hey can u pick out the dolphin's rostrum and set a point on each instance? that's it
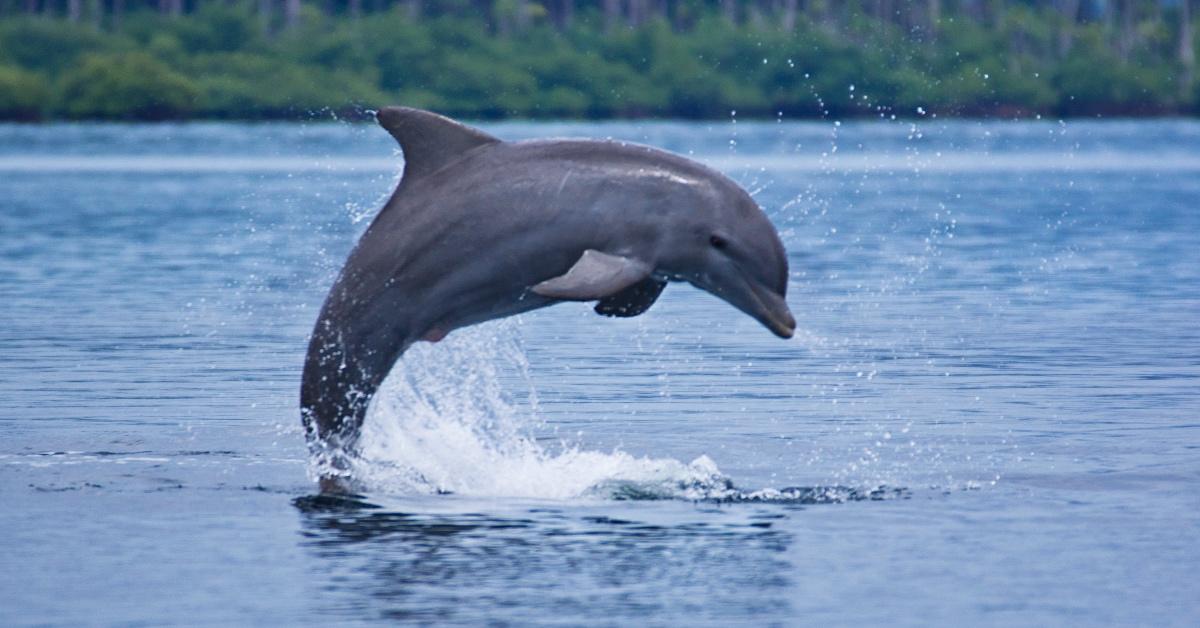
(481, 229)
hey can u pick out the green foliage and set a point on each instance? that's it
(250, 85)
(125, 85)
(215, 27)
(226, 61)
(51, 47)
(1093, 80)
(23, 94)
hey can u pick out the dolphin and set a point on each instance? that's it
(480, 228)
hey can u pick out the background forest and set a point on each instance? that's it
(256, 59)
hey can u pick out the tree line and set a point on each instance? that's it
(266, 59)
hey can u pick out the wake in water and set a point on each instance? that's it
(444, 422)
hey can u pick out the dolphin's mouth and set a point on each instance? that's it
(772, 311)
(755, 299)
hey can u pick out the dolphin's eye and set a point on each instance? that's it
(717, 241)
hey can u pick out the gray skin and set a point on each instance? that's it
(481, 229)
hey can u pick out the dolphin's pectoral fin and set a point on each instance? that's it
(633, 300)
(595, 276)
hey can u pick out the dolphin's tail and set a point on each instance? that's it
(342, 372)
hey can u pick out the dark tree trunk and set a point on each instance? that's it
(877, 9)
(1187, 50)
(790, 9)
(817, 11)
(662, 9)
(1125, 36)
(565, 14)
(612, 14)
(679, 17)
(755, 17)
(266, 14)
(524, 15)
(170, 7)
(996, 11)
(1070, 13)
(638, 11)
(291, 13)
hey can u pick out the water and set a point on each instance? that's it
(990, 414)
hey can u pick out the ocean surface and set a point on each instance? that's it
(990, 414)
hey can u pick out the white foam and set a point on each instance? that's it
(444, 421)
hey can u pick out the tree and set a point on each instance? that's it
(612, 14)
(790, 8)
(132, 85)
(1070, 15)
(563, 13)
(730, 9)
(1187, 50)
(291, 13)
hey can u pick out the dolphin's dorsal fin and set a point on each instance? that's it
(596, 275)
(429, 141)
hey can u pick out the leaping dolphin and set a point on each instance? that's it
(480, 229)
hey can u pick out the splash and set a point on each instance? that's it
(447, 421)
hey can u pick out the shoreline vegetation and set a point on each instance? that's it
(596, 59)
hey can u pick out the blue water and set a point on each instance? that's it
(990, 414)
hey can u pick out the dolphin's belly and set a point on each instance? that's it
(467, 295)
